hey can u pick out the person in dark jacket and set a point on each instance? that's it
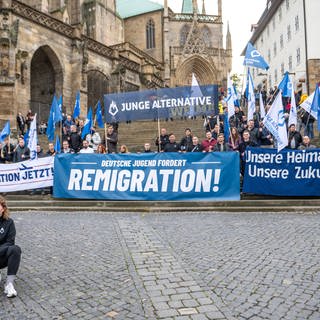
(186, 141)
(172, 146)
(196, 146)
(75, 140)
(21, 123)
(21, 152)
(111, 140)
(246, 142)
(10, 254)
(294, 138)
(221, 145)
(7, 151)
(162, 140)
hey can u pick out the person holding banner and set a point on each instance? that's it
(10, 254)
(294, 138)
(162, 140)
(172, 146)
(111, 140)
(306, 144)
(196, 146)
(186, 141)
(21, 151)
(74, 139)
(246, 142)
(221, 146)
(208, 143)
(234, 139)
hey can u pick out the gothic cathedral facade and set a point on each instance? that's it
(60, 47)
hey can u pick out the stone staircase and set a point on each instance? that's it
(249, 203)
(135, 134)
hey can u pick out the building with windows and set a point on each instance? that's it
(286, 36)
(187, 42)
(59, 47)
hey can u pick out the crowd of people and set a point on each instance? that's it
(242, 132)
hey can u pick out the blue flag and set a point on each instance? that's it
(57, 115)
(26, 137)
(285, 86)
(76, 110)
(87, 125)
(253, 58)
(57, 146)
(54, 117)
(5, 131)
(99, 117)
(315, 105)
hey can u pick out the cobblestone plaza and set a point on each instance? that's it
(86, 265)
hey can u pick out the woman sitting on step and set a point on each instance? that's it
(10, 254)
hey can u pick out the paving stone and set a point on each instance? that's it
(235, 266)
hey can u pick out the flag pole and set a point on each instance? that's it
(159, 141)
(243, 80)
(105, 134)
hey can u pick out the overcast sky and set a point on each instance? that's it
(240, 14)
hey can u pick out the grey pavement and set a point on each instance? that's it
(87, 265)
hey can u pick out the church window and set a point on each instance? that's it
(184, 35)
(206, 36)
(150, 34)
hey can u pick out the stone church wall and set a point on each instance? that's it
(135, 32)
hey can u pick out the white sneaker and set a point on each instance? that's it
(10, 291)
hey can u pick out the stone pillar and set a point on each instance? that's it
(166, 44)
(79, 64)
(8, 41)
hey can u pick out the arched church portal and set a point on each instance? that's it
(204, 71)
(46, 80)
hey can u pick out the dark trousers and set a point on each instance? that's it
(11, 260)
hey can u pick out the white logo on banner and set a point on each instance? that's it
(113, 109)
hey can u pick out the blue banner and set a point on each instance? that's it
(161, 103)
(156, 177)
(287, 173)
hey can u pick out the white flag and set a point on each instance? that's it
(195, 92)
(307, 105)
(33, 138)
(262, 110)
(293, 110)
(230, 98)
(275, 122)
(251, 98)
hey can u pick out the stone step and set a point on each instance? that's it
(46, 203)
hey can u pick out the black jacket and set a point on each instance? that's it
(7, 235)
